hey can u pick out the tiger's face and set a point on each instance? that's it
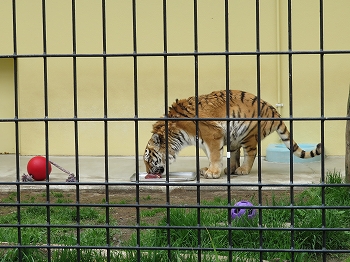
(155, 155)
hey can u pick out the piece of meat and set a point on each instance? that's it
(152, 176)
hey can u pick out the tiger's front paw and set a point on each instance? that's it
(242, 171)
(202, 171)
(209, 173)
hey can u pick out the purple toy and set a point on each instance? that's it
(237, 212)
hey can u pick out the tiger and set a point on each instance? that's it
(212, 134)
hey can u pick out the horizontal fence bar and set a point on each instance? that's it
(169, 183)
(178, 248)
(168, 54)
(165, 183)
(204, 228)
(325, 207)
(128, 119)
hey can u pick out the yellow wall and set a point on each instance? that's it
(7, 109)
(180, 28)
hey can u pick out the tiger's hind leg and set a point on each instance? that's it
(234, 160)
(250, 151)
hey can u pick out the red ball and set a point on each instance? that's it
(36, 167)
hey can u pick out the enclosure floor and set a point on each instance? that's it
(120, 169)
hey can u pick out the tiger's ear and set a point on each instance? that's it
(156, 140)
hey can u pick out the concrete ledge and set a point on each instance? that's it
(92, 175)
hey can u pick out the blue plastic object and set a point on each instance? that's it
(279, 153)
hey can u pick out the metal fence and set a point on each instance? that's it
(201, 251)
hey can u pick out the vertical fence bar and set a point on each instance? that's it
(76, 126)
(228, 126)
(323, 192)
(196, 95)
(291, 169)
(16, 117)
(137, 186)
(75, 93)
(165, 83)
(105, 122)
(258, 84)
(46, 115)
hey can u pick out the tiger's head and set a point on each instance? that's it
(155, 156)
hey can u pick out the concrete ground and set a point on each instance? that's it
(120, 170)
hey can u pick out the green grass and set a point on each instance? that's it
(213, 233)
(245, 234)
(61, 236)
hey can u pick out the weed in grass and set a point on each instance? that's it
(164, 256)
(334, 177)
(339, 195)
(88, 214)
(153, 212)
(10, 199)
(85, 255)
(63, 213)
(33, 215)
(10, 218)
(57, 194)
(64, 201)
(148, 197)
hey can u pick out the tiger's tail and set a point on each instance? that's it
(284, 134)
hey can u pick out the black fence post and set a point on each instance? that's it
(347, 137)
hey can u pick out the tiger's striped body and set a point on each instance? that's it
(213, 133)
